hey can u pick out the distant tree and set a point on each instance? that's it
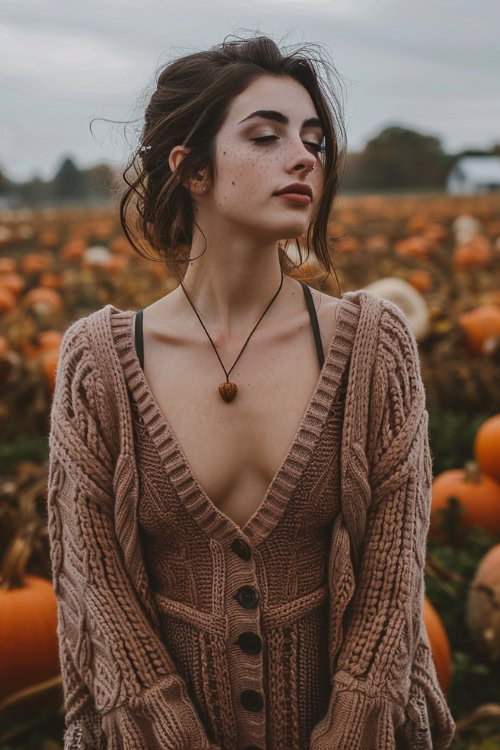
(403, 158)
(99, 181)
(353, 177)
(6, 185)
(34, 192)
(69, 182)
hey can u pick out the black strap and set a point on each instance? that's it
(139, 342)
(314, 323)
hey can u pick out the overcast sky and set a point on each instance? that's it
(432, 65)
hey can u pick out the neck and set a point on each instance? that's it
(231, 295)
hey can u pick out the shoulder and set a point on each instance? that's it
(78, 384)
(397, 351)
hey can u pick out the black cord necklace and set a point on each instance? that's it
(228, 390)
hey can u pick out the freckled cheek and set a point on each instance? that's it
(248, 176)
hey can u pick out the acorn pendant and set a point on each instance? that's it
(228, 391)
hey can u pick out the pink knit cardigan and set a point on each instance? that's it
(122, 688)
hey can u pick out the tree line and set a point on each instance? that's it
(395, 159)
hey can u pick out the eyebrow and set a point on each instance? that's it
(272, 114)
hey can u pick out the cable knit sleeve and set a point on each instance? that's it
(385, 693)
(121, 687)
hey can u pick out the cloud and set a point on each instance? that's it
(433, 66)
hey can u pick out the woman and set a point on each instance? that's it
(208, 533)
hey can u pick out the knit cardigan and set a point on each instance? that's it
(122, 687)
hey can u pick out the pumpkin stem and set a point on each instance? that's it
(472, 472)
(13, 567)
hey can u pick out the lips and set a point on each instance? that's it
(296, 187)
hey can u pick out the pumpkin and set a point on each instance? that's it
(348, 244)
(96, 256)
(8, 300)
(35, 262)
(42, 300)
(439, 643)
(73, 249)
(487, 447)
(44, 342)
(28, 623)
(7, 265)
(475, 252)
(51, 280)
(413, 247)
(483, 605)
(434, 232)
(482, 328)
(420, 280)
(477, 493)
(48, 238)
(12, 281)
(116, 263)
(407, 299)
(377, 243)
(49, 360)
(121, 245)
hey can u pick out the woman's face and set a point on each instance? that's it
(248, 172)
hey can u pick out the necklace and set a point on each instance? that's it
(228, 390)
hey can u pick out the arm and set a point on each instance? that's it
(121, 687)
(385, 693)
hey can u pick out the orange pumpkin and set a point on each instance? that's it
(7, 265)
(475, 252)
(13, 281)
(49, 361)
(487, 447)
(348, 244)
(413, 247)
(73, 249)
(420, 280)
(43, 299)
(482, 328)
(440, 645)
(35, 262)
(377, 242)
(8, 300)
(477, 493)
(28, 623)
(41, 343)
(51, 280)
(482, 615)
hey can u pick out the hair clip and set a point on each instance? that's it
(145, 148)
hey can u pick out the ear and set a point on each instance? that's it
(195, 184)
(176, 155)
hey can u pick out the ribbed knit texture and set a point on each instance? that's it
(145, 567)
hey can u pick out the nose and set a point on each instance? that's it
(303, 159)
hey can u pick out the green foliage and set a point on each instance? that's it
(24, 448)
(451, 437)
(475, 678)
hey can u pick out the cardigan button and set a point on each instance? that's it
(242, 549)
(247, 596)
(251, 700)
(250, 642)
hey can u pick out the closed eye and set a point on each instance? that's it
(266, 138)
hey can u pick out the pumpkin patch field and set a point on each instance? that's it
(436, 256)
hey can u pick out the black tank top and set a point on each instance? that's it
(139, 342)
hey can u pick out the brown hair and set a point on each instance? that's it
(192, 97)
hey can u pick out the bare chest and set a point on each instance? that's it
(234, 450)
